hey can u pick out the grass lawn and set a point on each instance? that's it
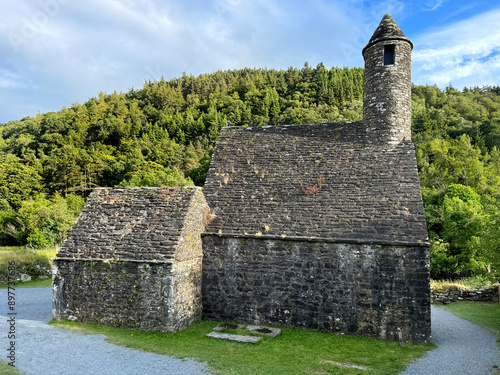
(294, 352)
(484, 314)
(42, 283)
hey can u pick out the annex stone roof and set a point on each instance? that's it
(132, 224)
(321, 181)
(387, 30)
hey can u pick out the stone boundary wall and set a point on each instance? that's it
(371, 290)
(454, 294)
(25, 272)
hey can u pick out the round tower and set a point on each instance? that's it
(387, 84)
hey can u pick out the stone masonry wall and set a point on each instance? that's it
(115, 293)
(452, 294)
(186, 293)
(360, 289)
(149, 296)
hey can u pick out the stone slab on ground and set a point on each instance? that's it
(231, 337)
(268, 331)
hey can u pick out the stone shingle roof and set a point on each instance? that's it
(130, 224)
(322, 181)
(387, 30)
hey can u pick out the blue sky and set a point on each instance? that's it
(57, 52)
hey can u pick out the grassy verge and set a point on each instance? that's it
(6, 249)
(484, 314)
(294, 352)
(25, 255)
(42, 283)
(5, 369)
(477, 282)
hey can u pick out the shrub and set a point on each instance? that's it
(40, 222)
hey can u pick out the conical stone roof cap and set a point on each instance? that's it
(387, 30)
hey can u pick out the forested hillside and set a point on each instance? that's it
(164, 133)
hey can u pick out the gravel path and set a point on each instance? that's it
(463, 348)
(42, 349)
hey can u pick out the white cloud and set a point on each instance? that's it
(464, 53)
(432, 5)
(468, 74)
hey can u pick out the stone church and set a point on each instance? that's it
(316, 226)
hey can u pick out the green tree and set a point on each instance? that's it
(18, 181)
(155, 175)
(460, 252)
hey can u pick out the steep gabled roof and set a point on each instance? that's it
(130, 224)
(322, 181)
(387, 30)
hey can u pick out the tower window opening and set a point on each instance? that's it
(389, 55)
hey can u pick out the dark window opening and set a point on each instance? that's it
(389, 55)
